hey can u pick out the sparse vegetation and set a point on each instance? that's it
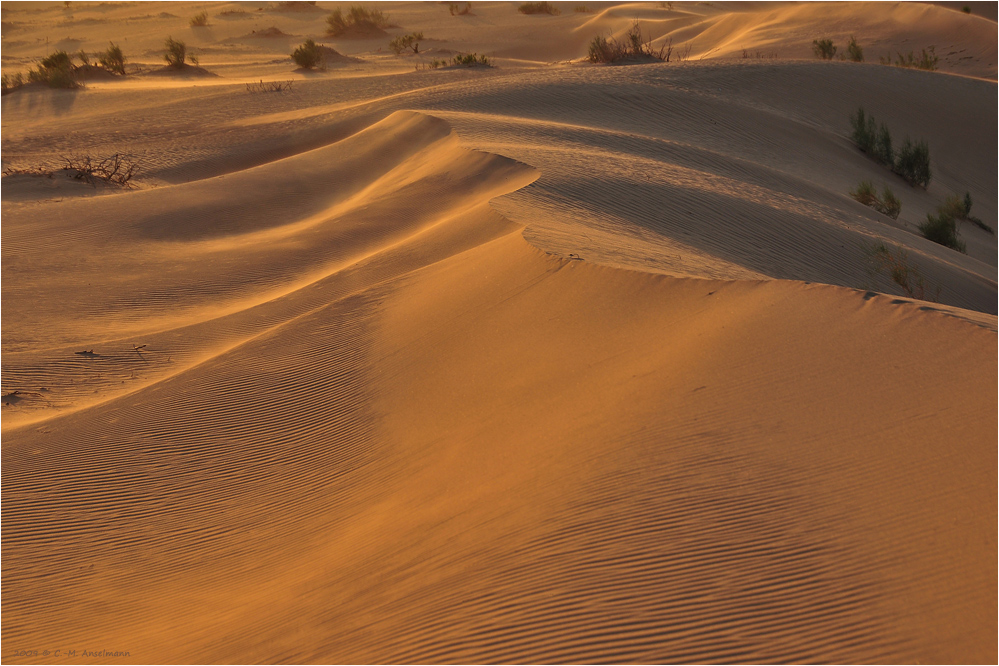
(403, 42)
(824, 48)
(199, 20)
(635, 47)
(582, 9)
(894, 263)
(911, 162)
(357, 19)
(268, 86)
(176, 53)
(887, 204)
(854, 51)
(966, 206)
(760, 55)
(308, 55)
(539, 8)
(457, 10)
(927, 60)
(57, 70)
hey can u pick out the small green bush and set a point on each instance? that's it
(113, 59)
(176, 53)
(913, 163)
(824, 48)
(199, 20)
(308, 55)
(854, 51)
(55, 71)
(942, 229)
(357, 18)
(403, 42)
(539, 8)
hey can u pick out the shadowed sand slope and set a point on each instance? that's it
(438, 443)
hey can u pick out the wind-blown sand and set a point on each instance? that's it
(546, 362)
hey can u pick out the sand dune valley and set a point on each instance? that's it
(492, 351)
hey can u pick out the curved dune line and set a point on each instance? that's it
(462, 448)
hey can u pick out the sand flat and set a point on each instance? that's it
(543, 362)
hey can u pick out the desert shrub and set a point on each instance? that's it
(55, 71)
(865, 193)
(8, 83)
(942, 229)
(58, 60)
(913, 163)
(824, 48)
(308, 55)
(887, 204)
(582, 9)
(960, 208)
(117, 169)
(112, 59)
(84, 58)
(926, 60)
(403, 42)
(199, 20)
(457, 10)
(966, 9)
(882, 150)
(176, 53)
(890, 205)
(357, 18)
(895, 264)
(470, 60)
(539, 8)
(634, 46)
(864, 131)
(854, 51)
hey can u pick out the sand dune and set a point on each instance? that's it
(539, 363)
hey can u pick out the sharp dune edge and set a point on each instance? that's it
(536, 364)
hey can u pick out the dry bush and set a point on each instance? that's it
(634, 47)
(894, 263)
(269, 86)
(457, 10)
(117, 169)
(759, 55)
(176, 53)
(403, 42)
(199, 20)
(357, 19)
(887, 204)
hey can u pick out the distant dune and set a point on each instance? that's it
(539, 362)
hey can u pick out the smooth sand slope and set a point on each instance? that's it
(532, 364)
